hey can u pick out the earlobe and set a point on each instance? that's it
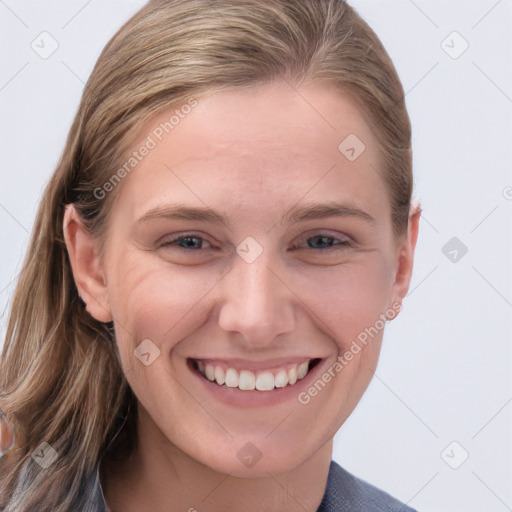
(405, 256)
(86, 266)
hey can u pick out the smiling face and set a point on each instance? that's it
(245, 249)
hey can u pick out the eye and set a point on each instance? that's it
(325, 242)
(186, 242)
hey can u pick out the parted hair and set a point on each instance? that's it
(61, 380)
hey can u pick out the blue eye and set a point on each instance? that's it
(187, 242)
(329, 240)
(324, 242)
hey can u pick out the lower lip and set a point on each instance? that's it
(255, 398)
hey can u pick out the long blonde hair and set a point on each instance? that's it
(61, 382)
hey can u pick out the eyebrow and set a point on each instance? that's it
(303, 213)
(183, 212)
(322, 210)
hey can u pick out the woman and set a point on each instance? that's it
(203, 302)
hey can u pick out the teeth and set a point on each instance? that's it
(302, 370)
(292, 375)
(281, 379)
(265, 381)
(231, 378)
(210, 372)
(219, 375)
(247, 380)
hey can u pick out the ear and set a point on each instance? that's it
(405, 256)
(86, 265)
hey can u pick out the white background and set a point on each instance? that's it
(444, 373)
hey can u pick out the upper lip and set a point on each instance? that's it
(245, 364)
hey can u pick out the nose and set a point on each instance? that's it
(257, 304)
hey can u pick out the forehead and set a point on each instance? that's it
(308, 121)
(273, 144)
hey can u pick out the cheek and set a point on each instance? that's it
(149, 301)
(160, 306)
(354, 303)
(347, 299)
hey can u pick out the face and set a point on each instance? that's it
(247, 250)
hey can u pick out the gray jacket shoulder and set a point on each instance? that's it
(347, 493)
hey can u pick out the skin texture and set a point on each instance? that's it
(251, 156)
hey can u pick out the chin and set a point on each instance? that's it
(251, 462)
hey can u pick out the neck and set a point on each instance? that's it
(160, 477)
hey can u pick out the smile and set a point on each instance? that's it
(244, 379)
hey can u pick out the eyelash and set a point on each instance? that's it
(343, 243)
